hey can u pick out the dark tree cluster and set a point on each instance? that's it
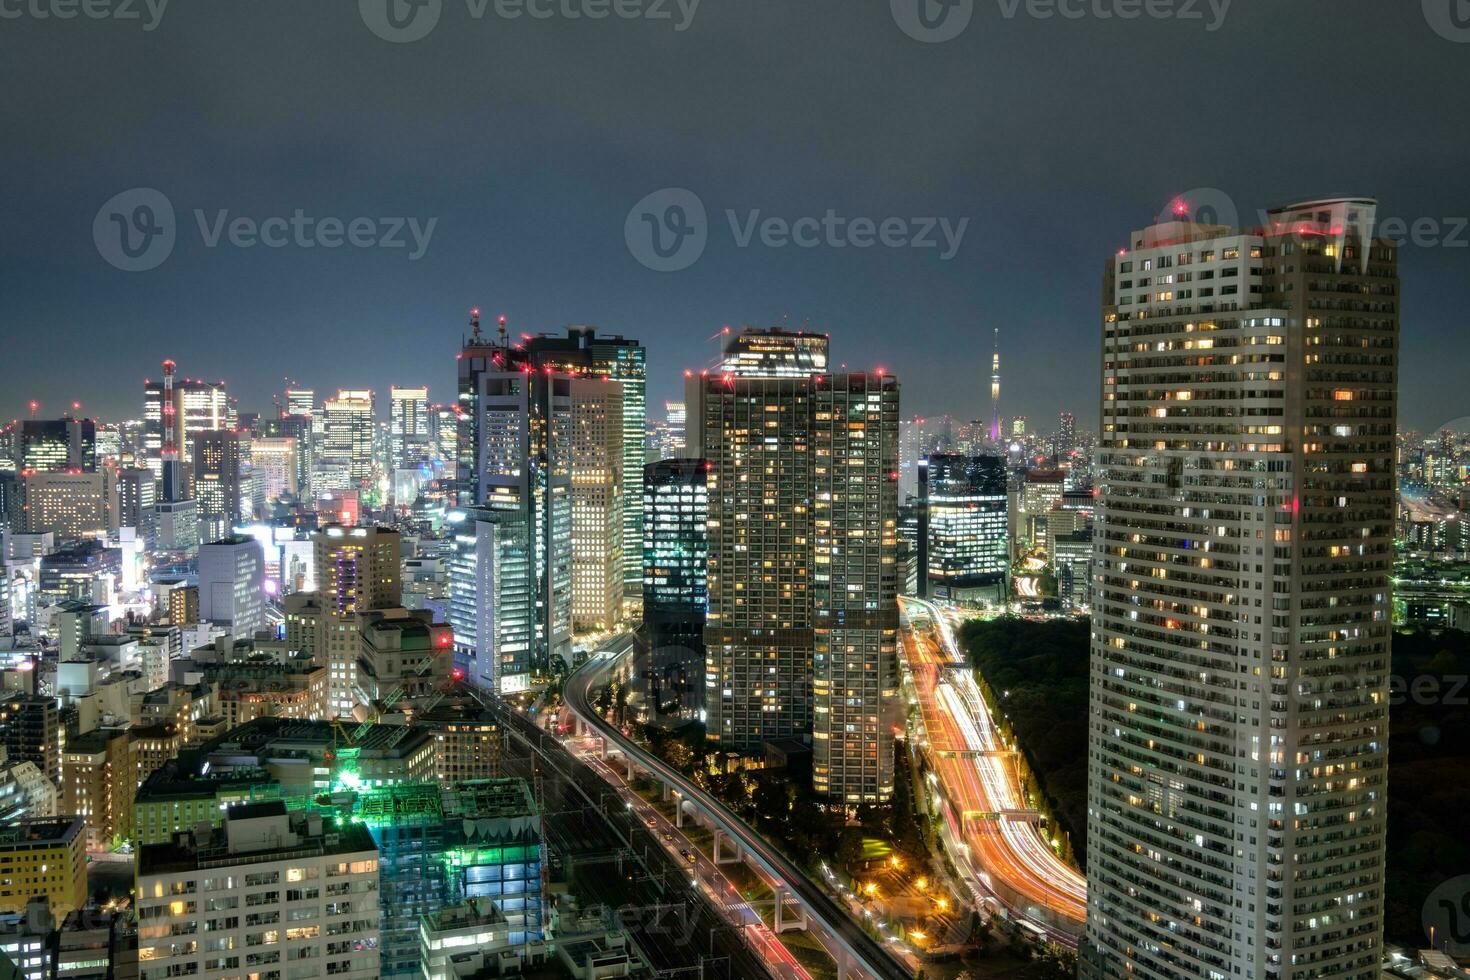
(1038, 674)
(1428, 773)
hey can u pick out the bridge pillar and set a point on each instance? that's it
(788, 920)
(678, 810)
(720, 843)
(668, 791)
(632, 769)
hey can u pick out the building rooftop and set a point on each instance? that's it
(468, 915)
(92, 742)
(279, 734)
(489, 799)
(189, 852)
(29, 834)
(251, 811)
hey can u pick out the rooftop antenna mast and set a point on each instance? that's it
(475, 337)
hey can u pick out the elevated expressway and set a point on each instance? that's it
(857, 953)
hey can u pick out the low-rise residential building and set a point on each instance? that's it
(267, 893)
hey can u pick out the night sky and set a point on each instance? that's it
(530, 141)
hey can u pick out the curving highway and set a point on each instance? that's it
(987, 812)
(865, 952)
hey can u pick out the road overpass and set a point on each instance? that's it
(863, 955)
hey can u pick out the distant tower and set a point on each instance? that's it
(173, 490)
(995, 390)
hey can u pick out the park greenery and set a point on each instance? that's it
(1036, 674)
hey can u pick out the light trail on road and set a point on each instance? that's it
(973, 766)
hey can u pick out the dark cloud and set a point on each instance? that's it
(530, 140)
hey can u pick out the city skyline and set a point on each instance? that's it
(1038, 217)
(904, 490)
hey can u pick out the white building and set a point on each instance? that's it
(1241, 601)
(178, 525)
(274, 460)
(265, 894)
(492, 596)
(232, 585)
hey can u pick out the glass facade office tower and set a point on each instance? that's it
(1241, 600)
(585, 353)
(410, 433)
(514, 448)
(675, 583)
(492, 596)
(47, 445)
(964, 526)
(216, 480)
(348, 429)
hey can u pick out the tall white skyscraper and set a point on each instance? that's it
(514, 454)
(492, 596)
(1241, 600)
